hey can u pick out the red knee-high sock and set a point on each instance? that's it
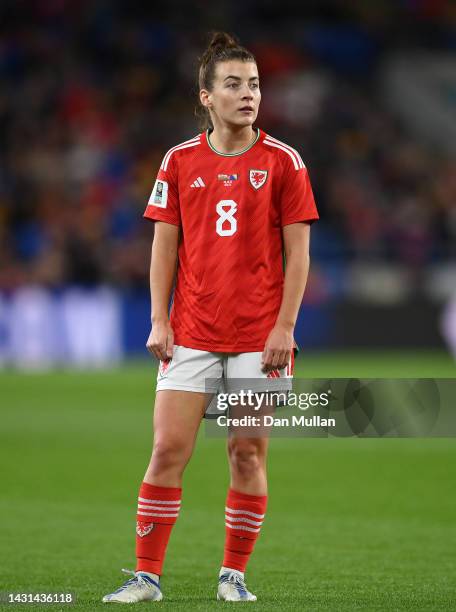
(244, 516)
(158, 509)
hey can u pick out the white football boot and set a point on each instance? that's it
(139, 588)
(232, 587)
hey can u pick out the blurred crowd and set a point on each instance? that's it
(91, 97)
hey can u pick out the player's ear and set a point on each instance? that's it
(205, 98)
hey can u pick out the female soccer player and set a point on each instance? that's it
(226, 205)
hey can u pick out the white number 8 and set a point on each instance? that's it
(226, 216)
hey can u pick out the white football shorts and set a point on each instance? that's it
(206, 372)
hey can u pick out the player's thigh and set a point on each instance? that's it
(185, 385)
(177, 417)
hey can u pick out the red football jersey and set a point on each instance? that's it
(231, 209)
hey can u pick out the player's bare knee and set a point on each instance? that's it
(168, 454)
(245, 459)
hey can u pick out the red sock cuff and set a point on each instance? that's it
(165, 493)
(237, 495)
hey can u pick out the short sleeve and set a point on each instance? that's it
(297, 200)
(163, 203)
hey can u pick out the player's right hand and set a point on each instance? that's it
(161, 340)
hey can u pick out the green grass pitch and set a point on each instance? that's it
(352, 524)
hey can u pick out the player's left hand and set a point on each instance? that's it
(277, 350)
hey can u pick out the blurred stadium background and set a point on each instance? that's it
(92, 94)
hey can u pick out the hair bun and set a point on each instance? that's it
(222, 40)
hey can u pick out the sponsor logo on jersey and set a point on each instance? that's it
(258, 178)
(228, 179)
(198, 183)
(143, 529)
(159, 195)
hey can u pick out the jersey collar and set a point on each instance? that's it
(233, 154)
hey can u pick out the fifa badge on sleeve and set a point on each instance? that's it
(159, 195)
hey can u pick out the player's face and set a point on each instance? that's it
(235, 96)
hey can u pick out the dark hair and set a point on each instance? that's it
(221, 48)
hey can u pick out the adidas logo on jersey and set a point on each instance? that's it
(198, 183)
